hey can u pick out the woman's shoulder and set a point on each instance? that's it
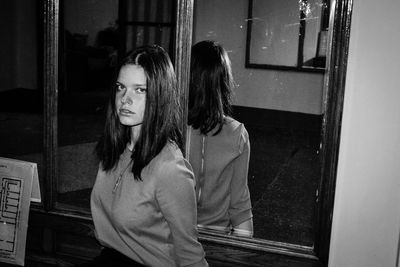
(232, 123)
(233, 127)
(237, 132)
(171, 152)
(171, 163)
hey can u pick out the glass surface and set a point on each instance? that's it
(141, 35)
(150, 10)
(282, 112)
(286, 33)
(312, 12)
(21, 92)
(275, 32)
(94, 35)
(89, 49)
(148, 22)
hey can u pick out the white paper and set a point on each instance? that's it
(19, 185)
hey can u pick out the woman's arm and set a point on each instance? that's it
(240, 206)
(176, 197)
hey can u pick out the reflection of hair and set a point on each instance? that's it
(162, 115)
(211, 84)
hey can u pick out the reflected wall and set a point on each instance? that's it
(226, 21)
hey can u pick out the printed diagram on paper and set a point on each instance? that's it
(10, 203)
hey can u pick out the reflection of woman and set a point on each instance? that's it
(219, 145)
(143, 202)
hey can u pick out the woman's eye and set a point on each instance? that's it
(141, 90)
(119, 87)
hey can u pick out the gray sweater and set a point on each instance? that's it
(151, 221)
(220, 165)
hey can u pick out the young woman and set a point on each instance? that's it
(143, 202)
(219, 146)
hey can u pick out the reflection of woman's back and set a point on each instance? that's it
(219, 145)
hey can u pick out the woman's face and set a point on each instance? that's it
(130, 99)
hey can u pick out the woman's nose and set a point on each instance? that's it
(126, 99)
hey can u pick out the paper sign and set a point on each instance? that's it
(19, 185)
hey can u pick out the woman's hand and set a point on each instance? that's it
(245, 229)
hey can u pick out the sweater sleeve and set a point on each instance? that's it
(240, 205)
(176, 197)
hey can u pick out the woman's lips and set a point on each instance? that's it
(123, 111)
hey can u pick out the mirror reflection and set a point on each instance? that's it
(89, 49)
(219, 146)
(281, 110)
(94, 35)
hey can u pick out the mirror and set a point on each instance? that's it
(88, 49)
(94, 34)
(282, 110)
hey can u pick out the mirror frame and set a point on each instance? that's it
(334, 84)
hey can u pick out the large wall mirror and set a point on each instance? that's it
(288, 111)
(282, 111)
(292, 116)
(93, 35)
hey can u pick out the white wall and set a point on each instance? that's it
(366, 216)
(225, 21)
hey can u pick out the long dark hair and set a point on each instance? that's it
(162, 115)
(211, 85)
